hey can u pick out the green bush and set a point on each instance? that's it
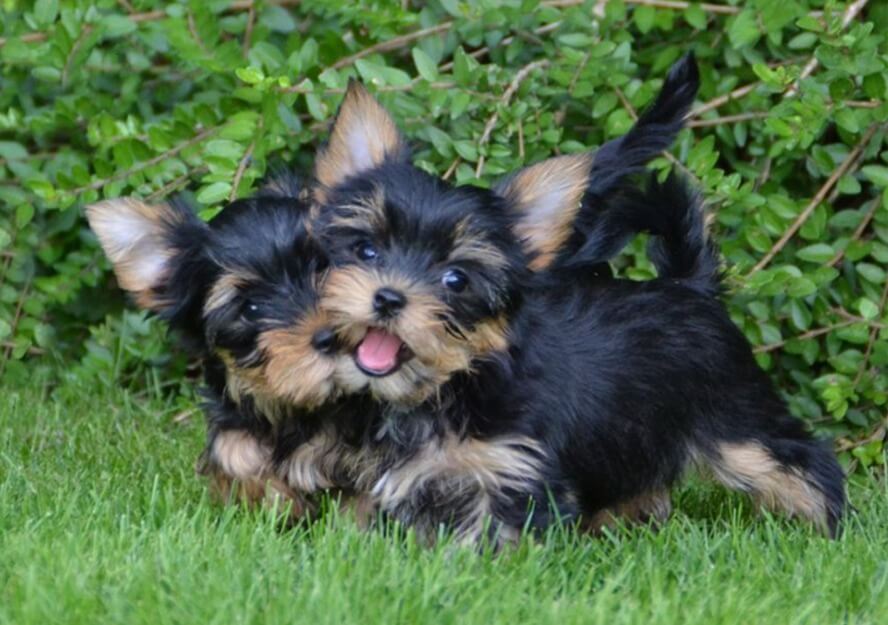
(110, 98)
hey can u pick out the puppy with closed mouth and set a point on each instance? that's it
(503, 394)
(242, 294)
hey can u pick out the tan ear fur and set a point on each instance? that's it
(546, 198)
(362, 137)
(135, 237)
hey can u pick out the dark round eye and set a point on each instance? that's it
(250, 311)
(366, 251)
(455, 280)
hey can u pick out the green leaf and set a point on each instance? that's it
(5, 239)
(424, 64)
(872, 273)
(847, 119)
(801, 287)
(213, 193)
(867, 308)
(12, 150)
(801, 314)
(817, 253)
(5, 329)
(877, 174)
(467, 150)
(644, 17)
(45, 11)
(250, 75)
(114, 26)
(278, 19)
(695, 16)
(743, 29)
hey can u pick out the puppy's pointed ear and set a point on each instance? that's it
(545, 199)
(363, 136)
(141, 240)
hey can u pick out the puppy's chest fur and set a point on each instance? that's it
(406, 461)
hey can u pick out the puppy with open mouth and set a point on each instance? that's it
(504, 392)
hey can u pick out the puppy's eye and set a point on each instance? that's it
(250, 312)
(455, 280)
(366, 251)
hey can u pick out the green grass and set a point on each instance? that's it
(103, 521)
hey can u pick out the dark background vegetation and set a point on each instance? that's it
(137, 97)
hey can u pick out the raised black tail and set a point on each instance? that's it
(673, 213)
(654, 131)
(600, 231)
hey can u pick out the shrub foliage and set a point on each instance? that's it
(106, 98)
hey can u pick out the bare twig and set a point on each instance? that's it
(248, 31)
(848, 444)
(520, 76)
(15, 321)
(148, 16)
(858, 232)
(721, 100)
(393, 44)
(98, 184)
(815, 201)
(241, 168)
(660, 4)
(726, 119)
(810, 334)
(175, 183)
(74, 48)
(452, 168)
(874, 332)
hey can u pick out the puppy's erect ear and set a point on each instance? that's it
(140, 240)
(545, 199)
(363, 136)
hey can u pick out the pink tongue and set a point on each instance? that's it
(378, 352)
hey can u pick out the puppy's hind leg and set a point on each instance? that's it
(795, 475)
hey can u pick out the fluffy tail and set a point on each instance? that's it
(654, 131)
(674, 214)
(599, 232)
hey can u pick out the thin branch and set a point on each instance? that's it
(148, 16)
(241, 168)
(393, 44)
(874, 332)
(452, 168)
(248, 32)
(715, 103)
(15, 320)
(98, 184)
(33, 350)
(858, 232)
(810, 334)
(815, 201)
(727, 119)
(519, 77)
(847, 444)
(660, 4)
(175, 183)
(74, 48)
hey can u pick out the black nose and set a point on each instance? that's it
(324, 341)
(388, 302)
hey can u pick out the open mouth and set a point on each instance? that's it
(381, 353)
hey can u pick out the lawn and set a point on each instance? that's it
(102, 520)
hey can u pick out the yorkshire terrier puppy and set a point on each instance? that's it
(500, 394)
(241, 291)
